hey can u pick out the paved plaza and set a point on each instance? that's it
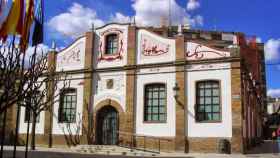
(267, 150)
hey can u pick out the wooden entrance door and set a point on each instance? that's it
(107, 126)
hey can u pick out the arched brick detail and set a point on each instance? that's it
(114, 104)
(107, 102)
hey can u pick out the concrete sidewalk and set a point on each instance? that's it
(42, 152)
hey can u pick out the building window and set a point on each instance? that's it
(67, 107)
(208, 106)
(155, 103)
(111, 44)
(29, 116)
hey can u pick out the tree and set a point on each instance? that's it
(14, 79)
(37, 98)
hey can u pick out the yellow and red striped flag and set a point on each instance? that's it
(28, 20)
(14, 22)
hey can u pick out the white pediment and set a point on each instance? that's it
(153, 48)
(72, 58)
(196, 51)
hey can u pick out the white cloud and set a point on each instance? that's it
(197, 20)
(273, 92)
(41, 48)
(272, 49)
(259, 40)
(77, 20)
(150, 13)
(120, 18)
(192, 5)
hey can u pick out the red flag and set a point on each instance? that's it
(28, 20)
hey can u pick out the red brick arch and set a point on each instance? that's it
(108, 102)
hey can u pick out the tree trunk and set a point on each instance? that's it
(33, 131)
(16, 132)
(3, 132)
(27, 137)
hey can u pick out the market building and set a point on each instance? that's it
(171, 88)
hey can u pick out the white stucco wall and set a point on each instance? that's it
(154, 42)
(156, 129)
(197, 51)
(72, 57)
(206, 72)
(118, 91)
(77, 83)
(39, 125)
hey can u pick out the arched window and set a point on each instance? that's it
(111, 44)
(208, 105)
(155, 103)
(67, 106)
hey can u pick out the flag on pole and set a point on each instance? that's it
(28, 20)
(38, 34)
(3, 4)
(14, 22)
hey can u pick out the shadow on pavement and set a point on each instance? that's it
(44, 154)
(268, 147)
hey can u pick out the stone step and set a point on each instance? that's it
(128, 153)
(111, 150)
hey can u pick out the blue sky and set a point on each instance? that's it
(67, 19)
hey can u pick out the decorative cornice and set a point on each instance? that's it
(114, 23)
(143, 66)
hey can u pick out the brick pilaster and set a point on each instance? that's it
(237, 140)
(130, 84)
(50, 95)
(180, 139)
(87, 130)
(131, 46)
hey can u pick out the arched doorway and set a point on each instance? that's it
(107, 126)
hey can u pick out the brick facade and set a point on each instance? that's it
(204, 145)
(87, 130)
(130, 85)
(49, 113)
(239, 142)
(180, 99)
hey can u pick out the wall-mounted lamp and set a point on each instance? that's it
(176, 89)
